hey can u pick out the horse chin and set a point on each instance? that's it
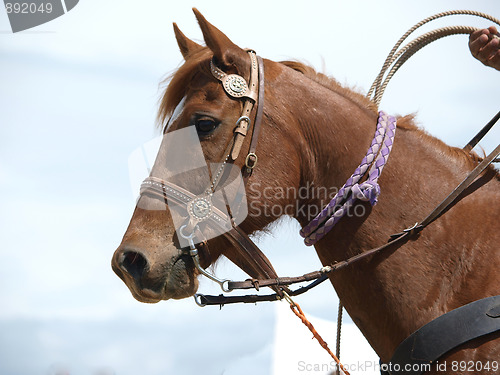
(179, 292)
(182, 281)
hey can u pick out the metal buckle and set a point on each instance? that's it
(246, 118)
(197, 299)
(289, 299)
(412, 229)
(250, 164)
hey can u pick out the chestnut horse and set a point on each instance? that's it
(313, 135)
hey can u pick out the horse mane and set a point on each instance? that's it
(471, 159)
(177, 83)
(332, 84)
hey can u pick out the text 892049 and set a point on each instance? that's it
(28, 8)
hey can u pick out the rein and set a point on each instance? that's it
(322, 274)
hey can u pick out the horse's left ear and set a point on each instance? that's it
(226, 52)
(186, 45)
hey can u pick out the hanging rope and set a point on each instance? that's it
(398, 56)
(339, 331)
(298, 311)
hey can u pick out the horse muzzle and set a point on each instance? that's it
(151, 280)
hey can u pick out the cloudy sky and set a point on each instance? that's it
(79, 94)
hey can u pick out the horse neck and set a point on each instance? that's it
(335, 134)
(332, 132)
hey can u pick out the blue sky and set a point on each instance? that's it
(79, 94)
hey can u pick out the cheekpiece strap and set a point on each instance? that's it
(237, 87)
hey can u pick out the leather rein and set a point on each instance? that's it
(252, 260)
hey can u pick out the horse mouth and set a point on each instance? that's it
(178, 281)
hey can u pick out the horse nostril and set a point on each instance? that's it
(134, 263)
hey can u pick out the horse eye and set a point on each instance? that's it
(205, 125)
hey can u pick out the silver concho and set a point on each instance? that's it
(235, 85)
(200, 208)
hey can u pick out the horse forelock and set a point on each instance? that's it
(177, 84)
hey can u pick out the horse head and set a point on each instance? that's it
(152, 258)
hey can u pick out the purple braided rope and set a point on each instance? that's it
(344, 190)
(366, 191)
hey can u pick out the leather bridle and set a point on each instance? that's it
(199, 208)
(252, 260)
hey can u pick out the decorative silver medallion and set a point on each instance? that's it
(200, 208)
(235, 85)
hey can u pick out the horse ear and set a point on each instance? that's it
(186, 45)
(225, 51)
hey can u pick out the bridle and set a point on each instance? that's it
(252, 260)
(200, 208)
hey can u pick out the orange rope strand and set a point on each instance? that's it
(298, 311)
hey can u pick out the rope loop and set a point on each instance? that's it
(398, 55)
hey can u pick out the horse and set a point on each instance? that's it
(314, 131)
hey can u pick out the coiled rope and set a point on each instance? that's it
(398, 56)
